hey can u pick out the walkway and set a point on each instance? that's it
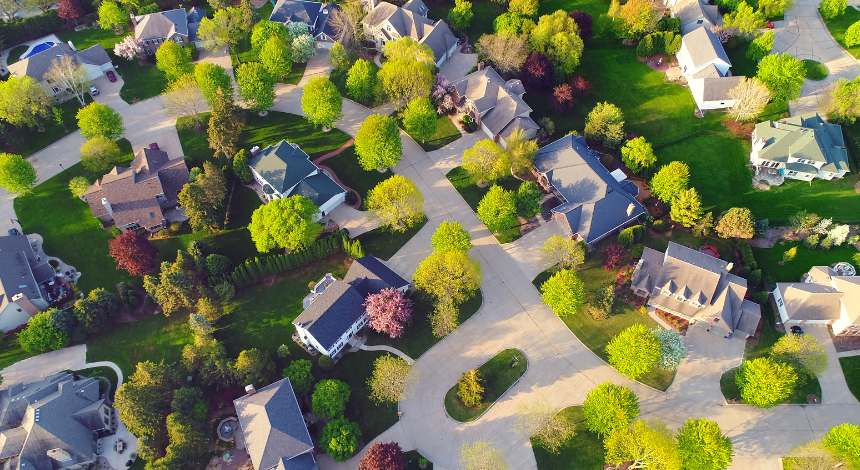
(38, 367)
(382, 347)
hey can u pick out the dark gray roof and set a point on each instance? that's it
(595, 203)
(499, 102)
(20, 273)
(717, 88)
(275, 432)
(294, 11)
(324, 26)
(37, 65)
(95, 55)
(162, 24)
(370, 276)
(332, 313)
(440, 39)
(319, 188)
(704, 46)
(282, 165)
(408, 22)
(416, 6)
(195, 14)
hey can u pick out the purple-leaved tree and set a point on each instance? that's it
(389, 312)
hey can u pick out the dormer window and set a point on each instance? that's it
(693, 303)
(680, 298)
(666, 293)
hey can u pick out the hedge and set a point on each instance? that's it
(33, 27)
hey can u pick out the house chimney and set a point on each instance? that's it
(133, 19)
(107, 205)
(730, 266)
(250, 390)
(480, 66)
(630, 209)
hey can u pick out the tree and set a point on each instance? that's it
(322, 104)
(100, 154)
(704, 226)
(537, 72)
(702, 445)
(391, 380)
(470, 388)
(339, 58)
(557, 36)
(562, 99)
(42, 334)
(256, 86)
(249, 16)
(783, 74)
(524, 7)
(254, 366)
(298, 28)
(70, 10)
(419, 118)
(843, 101)
(100, 120)
(736, 222)
(648, 444)
(789, 255)
(404, 81)
(211, 78)
(771, 8)
(384, 456)
(184, 98)
(844, 441)
(133, 252)
(605, 125)
(173, 59)
(289, 223)
(389, 312)
(199, 325)
(461, 15)
(507, 52)
(451, 236)
(17, 175)
(563, 252)
(813, 456)
(329, 398)
(111, 16)
(670, 180)
(498, 209)
(750, 97)
(202, 214)
(672, 348)
(804, 353)
(377, 143)
(23, 101)
(544, 424)
(449, 276)
(634, 351)
(638, 154)
(521, 151)
(299, 373)
(276, 58)
(92, 311)
(852, 35)
(361, 80)
(584, 22)
(832, 8)
(225, 123)
(485, 162)
(639, 18)
(528, 199)
(397, 202)
(408, 49)
(686, 208)
(564, 292)
(143, 401)
(79, 185)
(303, 48)
(760, 46)
(265, 30)
(608, 407)
(70, 76)
(172, 289)
(764, 382)
(481, 455)
(745, 20)
(346, 23)
(340, 438)
(226, 28)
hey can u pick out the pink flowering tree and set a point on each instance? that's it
(443, 94)
(130, 48)
(389, 312)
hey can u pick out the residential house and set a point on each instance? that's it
(94, 60)
(705, 65)
(54, 423)
(23, 276)
(800, 147)
(139, 197)
(274, 429)
(284, 170)
(387, 22)
(177, 25)
(594, 202)
(821, 297)
(316, 15)
(334, 311)
(697, 287)
(496, 105)
(695, 14)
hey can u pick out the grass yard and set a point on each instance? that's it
(90, 37)
(446, 132)
(768, 260)
(139, 81)
(33, 140)
(384, 243)
(16, 53)
(234, 244)
(736, 49)
(11, 352)
(839, 25)
(851, 369)
(815, 70)
(345, 166)
(583, 452)
(484, 12)
(414, 461)
(798, 397)
(473, 194)
(497, 375)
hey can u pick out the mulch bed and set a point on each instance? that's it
(623, 292)
(674, 321)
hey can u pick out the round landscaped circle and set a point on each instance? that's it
(815, 70)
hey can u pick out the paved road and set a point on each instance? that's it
(37, 367)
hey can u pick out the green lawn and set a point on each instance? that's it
(473, 194)
(90, 37)
(16, 53)
(815, 70)
(11, 352)
(484, 12)
(851, 369)
(768, 260)
(839, 25)
(583, 452)
(139, 81)
(414, 461)
(345, 166)
(234, 244)
(33, 140)
(798, 397)
(591, 7)
(446, 132)
(105, 372)
(498, 375)
(384, 243)
(736, 49)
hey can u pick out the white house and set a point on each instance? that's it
(22, 278)
(695, 14)
(284, 170)
(386, 22)
(94, 60)
(316, 15)
(705, 65)
(334, 310)
(821, 297)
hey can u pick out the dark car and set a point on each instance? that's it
(129, 463)
(797, 330)
(111, 76)
(13, 231)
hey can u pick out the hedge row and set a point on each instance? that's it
(33, 27)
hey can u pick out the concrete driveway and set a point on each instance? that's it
(458, 65)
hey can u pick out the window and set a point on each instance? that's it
(700, 21)
(149, 52)
(792, 173)
(666, 293)
(178, 39)
(693, 303)
(155, 41)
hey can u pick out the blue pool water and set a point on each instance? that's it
(39, 48)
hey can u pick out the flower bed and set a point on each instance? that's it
(674, 321)
(623, 292)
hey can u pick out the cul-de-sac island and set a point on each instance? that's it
(430, 234)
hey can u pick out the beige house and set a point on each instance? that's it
(94, 60)
(176, 25)
(23, 276)
(386, 22)
(821, 297)
(695, 14)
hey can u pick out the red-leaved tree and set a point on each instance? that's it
(585, 23)
(537, 72)
(562, 99)
(389, 312)
(134, 253)
(612, 257)
(581, 87)
(384, 456)
(70, 10)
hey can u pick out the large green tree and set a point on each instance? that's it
(564, 292)
(322, 103)
(42, 333)
(143, 400)
(745, 20)
(686, 207)
(419, 118)
(100, 120)
(100, 154)
(340, 439)
(521, 151)
(563, 252)
(285, 223)
(736, 222)
(604, 125)
(647, 444)
(557, 37)
(377, 143)
(254, 366)
(226, 28)
(461, 15)
(843, 104)
(329, 398)
(202, 214)
(451, 236)
(634, 351)
(397, 202)
(832, 8)
(17, 175)
(405, 80)
(486, 162)
(783, 74)
(408, 49)
(112, 17)
(470, 388)
(764, 382)
(276, 57)
(225, 123)
(390, 381)
(299, 373)
(703, 446)
(449, 275)
(173, 59)
(803, 352)
(844, 441)
(361, 80)
(173, 288)
(670, 180)
(498, 209)
(256, 86)
(608, 407)
(211, 78)
(638, 154)
(23, 101)
(265, 30)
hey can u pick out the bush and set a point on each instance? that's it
(612, 257)
(754, 279)
(626, 237)
(741, 130)
(600, 308)
(659, 226)
(283, 351)
(761, 297)
(134, 302)
(33, 27)
(638, 232)
(744, 272)
(326, 363)
(811, 241)
(637, 250)
(826, 244)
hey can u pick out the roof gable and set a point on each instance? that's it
(704, 47)
(282, 165)
(162, 24)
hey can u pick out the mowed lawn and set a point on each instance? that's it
(483, 11)
(768, 259)
(583, 452)
(839, 25)
(345, 165)
(497, 375)
(851, 368)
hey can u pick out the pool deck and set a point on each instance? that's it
(49, 38)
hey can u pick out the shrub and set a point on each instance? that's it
(326, 363)
(760, 297)
(638, 232)
(754, 279)
(811, 241)
(741, 130)
(600, 307)
(672, 347)
(626, 237)
(826, 243)
(637, 250)
(659, 226)
(283, 351)
(744, 272)
(612, 257)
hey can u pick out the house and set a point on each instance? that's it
(316, 15)
(695, 14)
(705, 65)
(822, 296)
(54, 423)
(177, 25)
(801, 148)
(23, 276)
(276, 436)
(94, 60)
(284, 170)
(594, 202)
(334, 311)
(697, 287)
(386, 22)
(139, 197)
(496, 105)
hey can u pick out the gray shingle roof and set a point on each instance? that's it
(162, 24)
(440, 39)
(717, 89)
(37, 65)
(810, 301)
(704, 47)
(407, 22)
(806, 137)
(319, 188)
(282, 165)
(294, 11)
(95, 55)
(689, 11)
(416, 6)
(500, 103)
(370, 276)
(19, 270)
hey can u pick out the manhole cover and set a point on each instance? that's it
(813, 399)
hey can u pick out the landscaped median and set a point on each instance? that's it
(495, 377)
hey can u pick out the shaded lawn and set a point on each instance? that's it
(483, 11)
(736, 49)
(815, 70)
(769, 258)
(839, 25)
(139, 81)
(851, 369)
(16, 53)
(798, 396)
(446, 132)
(33, 140)
(345, 166)
(497, 375)
(583, 452)
(591, 7)
(11, 352)
(384, 243)
(196, 144)
(472, 194)
(90, 37)
(414, 461)
(234, 244)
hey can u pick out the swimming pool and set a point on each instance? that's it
(39, 48)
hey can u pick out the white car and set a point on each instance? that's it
(93, 90)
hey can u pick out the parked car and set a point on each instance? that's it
(93, 90)
(13, 232)
(770, 25)
(153, 146)
(797, 330)
(111, 76)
